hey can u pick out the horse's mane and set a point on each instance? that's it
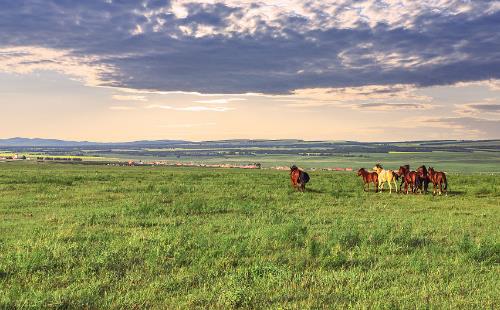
(379, 166)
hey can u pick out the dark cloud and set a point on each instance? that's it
(392, 106)
(279, 57)
(485, 127)
(471, 109)
(484, 107)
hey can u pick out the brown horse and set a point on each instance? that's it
(369, 177)
(409, 178)
(438, 179)
(299, 178)
(423, 179)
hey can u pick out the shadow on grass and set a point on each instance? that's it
(3, 274)
(456, 193)
(316, 191)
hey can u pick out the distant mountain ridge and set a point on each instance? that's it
(41, 142)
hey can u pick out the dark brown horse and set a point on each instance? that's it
(438, 179)
(369, 177)
(408, 178)
(299, 178)
(423, 179)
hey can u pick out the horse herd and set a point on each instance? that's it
(413, 181)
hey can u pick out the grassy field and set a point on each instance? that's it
(477, 162)
(75, 236)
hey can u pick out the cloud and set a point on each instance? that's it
(472, 109)
(370, 97)
(491, 84)
(483, 126)
(28, 59)
(190, 108)
(379, 106)
(243, 46)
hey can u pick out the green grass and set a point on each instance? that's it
(76, 236)
(35, 155)
(476, 162)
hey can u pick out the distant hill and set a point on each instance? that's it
(38, 142)
(244, 146)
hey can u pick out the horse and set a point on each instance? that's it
(423, 179)
(409, 179)
(385, 176)
(299, 178)
(369, 177)
(438, 179)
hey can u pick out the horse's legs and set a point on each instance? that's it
(381, 186)
(376, 186)
(396, 185)
(390, 186)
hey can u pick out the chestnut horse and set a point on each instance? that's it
(299, 178)
(369, 177)
(385, 176)
(409, 178)
(423, 179)
(438, 179)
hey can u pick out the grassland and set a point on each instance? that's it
(476, 162)
(35, 155)
(76, 236)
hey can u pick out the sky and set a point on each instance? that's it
(366, 70)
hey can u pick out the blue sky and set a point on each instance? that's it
(359, 70)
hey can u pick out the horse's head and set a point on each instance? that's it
(402, 170)
(422, 171)
(293, 168)
(378, 168)
(431, 170)
(361, 171)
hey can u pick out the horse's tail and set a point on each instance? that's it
(304, 177)
(445, 182)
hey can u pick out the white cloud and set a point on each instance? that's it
(371, 97)
(318, 15)
(491, 84)
(28, 59)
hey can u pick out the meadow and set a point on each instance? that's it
(78, 236)
(456, 162)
